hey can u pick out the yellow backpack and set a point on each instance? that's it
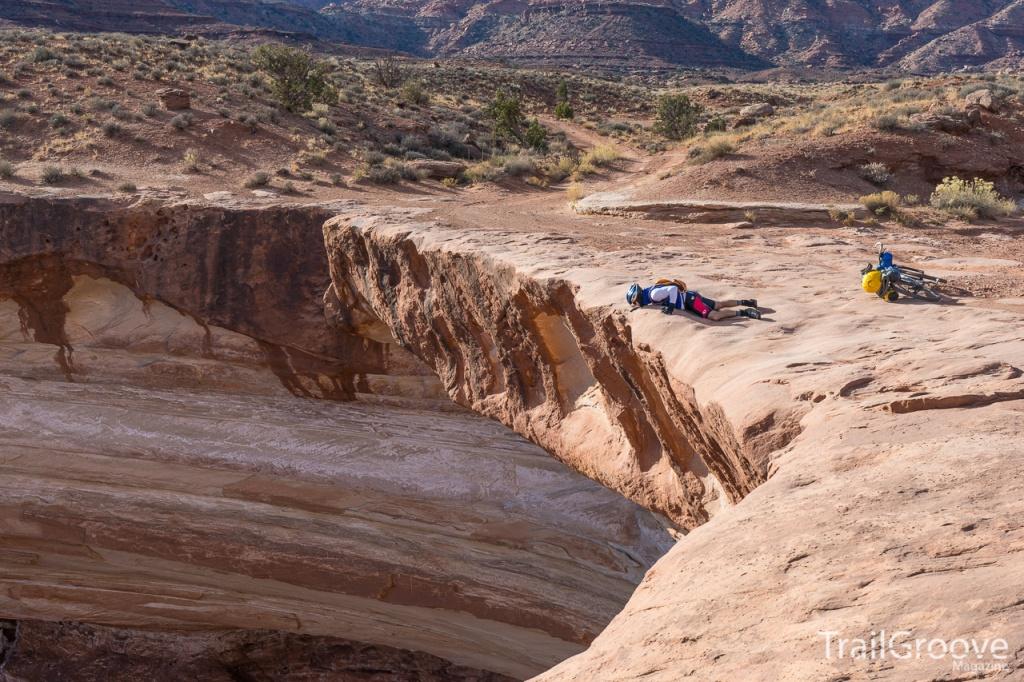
(871, 282)
(678, 282)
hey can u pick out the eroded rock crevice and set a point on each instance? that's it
(258, 272)
(189, 443)
(524, 350)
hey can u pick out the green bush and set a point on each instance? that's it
(6, 170)
(717, 124)
(677, 116)
(970, 199)
(413, 93)
(296, 79)
(506, 114)
(563, 110)
(536, 137)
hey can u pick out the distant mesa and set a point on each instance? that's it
(607, 34)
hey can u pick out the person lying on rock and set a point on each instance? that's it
(673, 295)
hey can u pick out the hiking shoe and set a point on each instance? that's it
(752, 313)
(751, 302)
(668, 309)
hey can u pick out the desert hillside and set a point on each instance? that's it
(920, 36)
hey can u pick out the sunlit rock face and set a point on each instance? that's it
(187, 445)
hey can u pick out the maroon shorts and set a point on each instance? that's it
(697, 304)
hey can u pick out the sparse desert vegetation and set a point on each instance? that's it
(337, 122)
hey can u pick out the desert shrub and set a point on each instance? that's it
(119, 112)
(8, 118)
(388, 72)
(268, 115)
(882, 203)
(127, 188)
(970, 199)
(584, 168)
(191, 160)
(558, 169)
(42, 54)
(482, 172)
(111, 128)
(182, 121)
(886, 122)
(260, 179)
(506, 114)
(601, 156)
(100, 104)
(875, 173)
(51, 175)
(518, 166)
(717, 124)
(536, 137)
(413, 93)
(105, 80)
(564, 111)
(382, 174)
(7, 170)
(59, 120)
(715, 149)
(677, 116)
(574, 192)
(150, 109)
(296, 79)
(325, 125)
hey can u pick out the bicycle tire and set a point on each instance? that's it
(924, 292)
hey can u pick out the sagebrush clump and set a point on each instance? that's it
(971, 199)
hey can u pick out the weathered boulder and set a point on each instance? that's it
(758, 110)
(174, 99)
(944, 122)
(431, 168)
(981, 98)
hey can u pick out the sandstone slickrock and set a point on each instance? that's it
(514, 342)
(162, 466)
(885, 444)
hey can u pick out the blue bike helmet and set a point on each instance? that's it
(633, 295)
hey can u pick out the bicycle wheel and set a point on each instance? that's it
(921, 290)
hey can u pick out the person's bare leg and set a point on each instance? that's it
(726, 304)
